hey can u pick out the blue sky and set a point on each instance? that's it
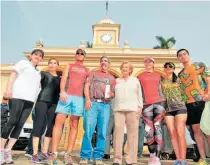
(66, 23)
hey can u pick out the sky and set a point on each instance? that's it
(66, 23)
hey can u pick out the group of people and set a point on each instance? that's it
(77, 92)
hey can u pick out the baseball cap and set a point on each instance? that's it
(150, 59)
(38, 50)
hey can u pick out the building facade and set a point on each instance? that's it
(106, 36)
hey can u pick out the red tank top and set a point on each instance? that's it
(76, 79)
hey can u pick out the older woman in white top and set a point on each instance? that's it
(127, 110)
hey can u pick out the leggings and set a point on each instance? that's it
(153, 115)
(19, 111)
(43, 109)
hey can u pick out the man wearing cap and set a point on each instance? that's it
(195, 82)
(71, 102)
(153, 110)
(98, 92)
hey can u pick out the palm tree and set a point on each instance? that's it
(89, 45)
(165, 43)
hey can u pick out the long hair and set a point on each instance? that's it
(174, 77)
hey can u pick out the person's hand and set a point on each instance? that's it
(138, 113)
(63, 97)
(111, 94)
(88, 104)
(206, 97)
(8, 93)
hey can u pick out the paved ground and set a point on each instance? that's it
(20, 159)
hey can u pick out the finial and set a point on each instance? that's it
(126, 44)
(40, 43)
(83, 44)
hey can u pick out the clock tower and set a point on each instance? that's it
(106, 34)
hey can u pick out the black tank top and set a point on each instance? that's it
(50, 88)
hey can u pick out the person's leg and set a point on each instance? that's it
(119, 120)
(159, 114)
(124, 142)
(132, 124)
(141, 137)
(149, 128)
(17, 129)
(199, 139)
(108, 136)
(16, 107)
(170, 122)
(102, 125)
(194, 111)
(208, 139)
(180, 123)
(29, 150)
(57, 131)
(40, 112)
(89, 124)
(50, 124)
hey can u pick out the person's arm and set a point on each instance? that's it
(89, 80)
(140, 98)
(17, 69)
(206, 76)
(12, 78)
(206, 97)
(63, 94)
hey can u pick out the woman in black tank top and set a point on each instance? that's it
(45, 108)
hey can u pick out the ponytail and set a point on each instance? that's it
(174, 77)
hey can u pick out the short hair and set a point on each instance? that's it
(38, 50)
(81, 50)
(106, 58)
(130, 66)
(182, 50)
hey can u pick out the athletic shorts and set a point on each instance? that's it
(178, 112)
(194, 112)
(74, 106)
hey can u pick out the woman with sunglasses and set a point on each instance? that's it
(45, 109)
(22, 90)
(176, 112)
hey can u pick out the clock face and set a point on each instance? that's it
(106, 38)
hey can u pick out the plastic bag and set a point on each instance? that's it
(205, 119)
(188, 137)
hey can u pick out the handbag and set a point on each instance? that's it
(205, 119)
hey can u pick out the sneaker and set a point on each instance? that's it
(99, 162)
(52, 160)
(202, 162)
(8, 157)
(152, 159)
(35, 159)
(83, 162)
(68, 159)
(157, 161)
(2, 160)
(44, 156)
(177, 162)
(183, 162)
(27, 154)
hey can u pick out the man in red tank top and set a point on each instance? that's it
(71, 103)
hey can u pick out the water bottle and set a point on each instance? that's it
(107, 89)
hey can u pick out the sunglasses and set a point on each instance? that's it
(168, 66)
(79, 53)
